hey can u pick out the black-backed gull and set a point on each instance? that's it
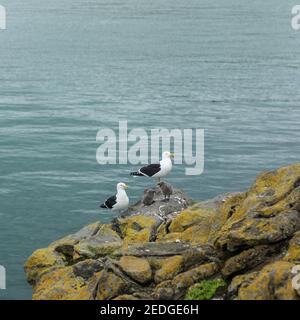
(157, 170)
(119, 201)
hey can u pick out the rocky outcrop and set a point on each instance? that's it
(272, 282)
(247, 243)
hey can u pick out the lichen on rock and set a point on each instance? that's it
(103, 243)
(273, 282)
(169, 268)
(62, 283)
(42, 261)
(265, 214)
(166, 249)
(136, 268)
(293, 252)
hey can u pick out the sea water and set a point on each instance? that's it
(71, 67)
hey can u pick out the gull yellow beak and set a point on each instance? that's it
(126, 186)
(172, 155)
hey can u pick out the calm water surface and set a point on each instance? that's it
(71, 67)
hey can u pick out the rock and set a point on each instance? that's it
(163, 250)
(103, 243)
(171, 237)
(137, 228)
(176, 288)
(293, 253)
(87, 268)
(188, 278)
(126, 297)
(199, 223)
(136, 268)
(200, 254)
(40, 262)
(273, 282)
(198, 213)
(265, 213)
(164, 291)
(255, 229)
(248, 259)
(66, 245)
(161, 209)
(86, 232)
(109, 286)
(170, 267)
(62, 284)
(94, 248)
(240, 282)
(190, 217)
(158, 249)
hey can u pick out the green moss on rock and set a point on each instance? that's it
(205, 290)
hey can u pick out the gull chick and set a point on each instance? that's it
(166, 189)
(148, 197)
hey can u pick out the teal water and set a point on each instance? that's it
(71, 67)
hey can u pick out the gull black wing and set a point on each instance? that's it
(110, 202)
(150, 170)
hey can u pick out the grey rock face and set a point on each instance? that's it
(87, 268)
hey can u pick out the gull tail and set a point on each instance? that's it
(136, 174)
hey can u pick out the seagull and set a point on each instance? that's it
(118, 202)
(166, 189)
(157, 170)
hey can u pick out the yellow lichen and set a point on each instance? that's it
(189, 217)
(170, 267)
(273, 282)
(133, 236)
(137, 268)
(41, 261)
(109, 286)
(271, 194)
(293, 253)
(61, 284)
(137, 228)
